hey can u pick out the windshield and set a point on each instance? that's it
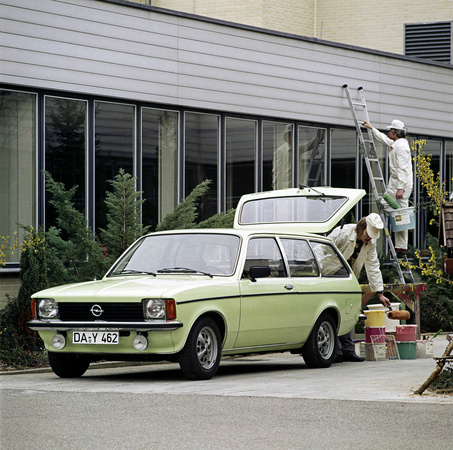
(290, 209)
(211, 254)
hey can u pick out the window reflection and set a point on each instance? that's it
(201, 147)
(343, 158)
(159, 164)
(65, 147)
(17, 169)
(114, 150)
(273, 134)
(240, 159)
(311, 151)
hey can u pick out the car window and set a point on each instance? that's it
(264, 252)
(329, 261)
(290, 209)
(301, 260)
(213, 253)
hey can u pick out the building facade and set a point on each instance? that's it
(90, 86)
(377, 24)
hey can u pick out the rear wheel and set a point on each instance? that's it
(319, 350)
(68, 365)
(200, 357)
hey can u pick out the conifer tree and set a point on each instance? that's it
(185, 214)
(33, 275)
(220, 220)
(79, 256)
(123, 218)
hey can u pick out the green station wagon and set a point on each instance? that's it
(192, 296)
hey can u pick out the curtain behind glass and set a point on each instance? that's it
(201, 147)
(114, 150)
(240, 159)
(17, 168)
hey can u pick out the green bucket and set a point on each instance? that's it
(407, 350)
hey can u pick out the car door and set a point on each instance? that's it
(305, 277)
(267, 304)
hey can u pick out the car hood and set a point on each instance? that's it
(307, 210)
(129, 288)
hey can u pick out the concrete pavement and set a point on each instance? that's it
(274, 375)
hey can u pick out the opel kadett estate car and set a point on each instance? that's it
(192, 296)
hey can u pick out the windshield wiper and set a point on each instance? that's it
(183, 270)
(144, 272)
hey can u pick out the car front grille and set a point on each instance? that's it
(118, 312)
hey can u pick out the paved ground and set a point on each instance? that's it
(276, 375)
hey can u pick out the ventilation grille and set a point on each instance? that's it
(429, 41)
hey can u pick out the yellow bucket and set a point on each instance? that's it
(375, 318)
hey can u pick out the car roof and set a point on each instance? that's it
(296, 210)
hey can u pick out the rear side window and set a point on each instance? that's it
(264, 252)
(330, 263)
(301, 260)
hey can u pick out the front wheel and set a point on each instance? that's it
(319, 350)
(68, 365)
(200, 357)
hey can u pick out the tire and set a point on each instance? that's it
(68, 365)
(319, 350)
(200, 357)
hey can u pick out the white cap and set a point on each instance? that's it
(374, 225)
(396, 125)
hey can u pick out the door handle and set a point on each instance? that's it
(289, 286)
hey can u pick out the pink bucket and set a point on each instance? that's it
(377, 332)
(406, 333)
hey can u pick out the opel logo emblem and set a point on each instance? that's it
(96, 310)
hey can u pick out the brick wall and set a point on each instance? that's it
(375, 24)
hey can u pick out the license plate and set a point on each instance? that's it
(95, 337)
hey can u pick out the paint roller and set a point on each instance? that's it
(398, 315)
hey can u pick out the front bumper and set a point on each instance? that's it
(58, 325)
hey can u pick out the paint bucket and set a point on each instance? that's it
(402, 219)
(407, 350)
(375, 318)
(390, 324)
(378, 333)
(425, 349)
(406, 333)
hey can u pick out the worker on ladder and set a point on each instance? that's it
(400, 182)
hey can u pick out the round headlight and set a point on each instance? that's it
(154, 308)
(48, 308)
(140, 342)
(59, 341)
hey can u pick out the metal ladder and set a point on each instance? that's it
(315, 166)
(368, 150)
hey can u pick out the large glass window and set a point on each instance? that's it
(343, 158)
(201, 146)
(240, 159)
(277, 155)
(159, 164)
(114, 149)
(17, 168)
(311, 150)
(434, 148)
(449, 168)
(65, 148)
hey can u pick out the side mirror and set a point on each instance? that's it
(259, 272)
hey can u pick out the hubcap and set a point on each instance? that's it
(207, 348)
(325, 340)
